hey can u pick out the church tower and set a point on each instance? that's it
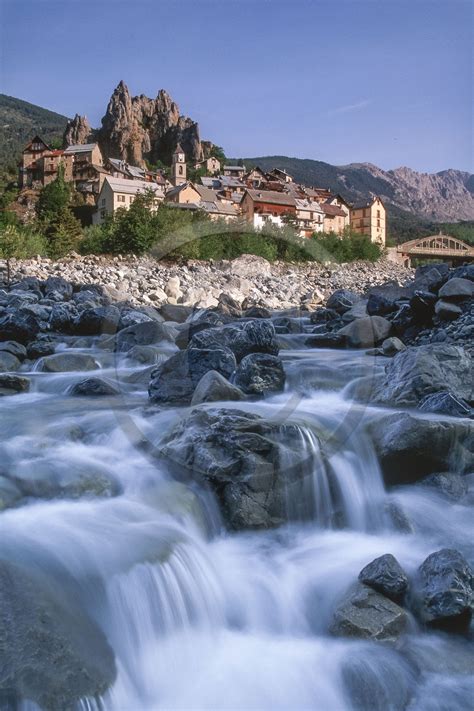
(178, 168)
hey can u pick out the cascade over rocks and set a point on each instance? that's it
(51, 652)
(366, 332)
(214, 387)
(254, 467)
(260, 373)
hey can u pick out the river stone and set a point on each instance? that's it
(420, 371)
(175, 312)
(102, 319)
(258, 470)
(257, 312)
(385, 299)
(386, 576)
(366, 614)
(452, 485)
(257, 336)
(141, 334)
(447, 311)
(65, 362)
(260, 373)
(445, 403)
(62, 317)
(445, 591)
(40, 349)
(93, 387)
(51, 652)
(457, 288)
(393, 345)
(8, 362)
(323, 315)
(12, 384)
(214, 387)
(19, 327)
(409, 448)
(422, 305)
(325, 340)
(366, 332)
(56, 284)
(342, 300)
(16, 349)
(174, 381)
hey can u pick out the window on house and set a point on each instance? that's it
(103, 201)
(378, 213)
(181, 170)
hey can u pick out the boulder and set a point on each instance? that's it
(457, 289)
(260, 373)
(8, 362)
(409, 448)
(258, 469)
(172, 288)
(102, 319)
(141, 334)
(444, 591)
(257, 336)
(51, 651)
(451, 485)
(62, 317)
(385, 299)
(175, 312)
(257, 312)
(13, 384)
(19, 327)
(366, 332)
(447, 311)
(40, 349)
(65, 362)
(386, 576)
(58, 285)
(174, 381)
(326, 340)
(445, 403)
(342, 300)
(323, 315)
(422, 305)
(94, 387)
(364, 613)
(249, 265)
(16, 349)
(214, 387)
(420, 371)
(393, 345)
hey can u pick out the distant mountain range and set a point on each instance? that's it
(415, 201)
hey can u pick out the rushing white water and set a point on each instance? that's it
(202, 619)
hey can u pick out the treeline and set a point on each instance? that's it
(167, 232)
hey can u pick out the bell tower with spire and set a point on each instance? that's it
(178, 168)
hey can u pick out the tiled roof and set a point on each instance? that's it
(131, 187)
(333, 210)
(272, 196)
(81, 148)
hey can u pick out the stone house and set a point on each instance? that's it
(335, 218)
(120, 193)
(263, 207)
(234, 171)
(212, 165)
(85, 153)
(309, 217)
(49, 163)
(369, 219)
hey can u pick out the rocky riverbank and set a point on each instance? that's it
(238, 417)
(248, 280)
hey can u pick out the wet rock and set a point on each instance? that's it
(175, 312)
(10, 496)
(58, 285)
(16, 349)
(8, 362)
(131, 317)
(174, 381)
(141, 334)
(103, 319)
(342, 300)
(420, 371)
(393, 345)
(445, 591)
(385, 299)
(447, 311)
(366, 332)
(257, 469)
(214, 387)
(40, 349)
(62, 317)
(366, 614)
(257, 312)
(422, 305)
(260, 373)
(51, 652)
(65, 362)
(449, 484)
(146, 354)
(256, 336)
(13, 384)
(18, 327)
(457, 289)
(445, 403)
(410, 449)
(326, 340)
(386, 576)
(94, 387)
(323, 315)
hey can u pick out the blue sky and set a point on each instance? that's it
(381, 81)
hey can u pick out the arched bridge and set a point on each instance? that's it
(440, 247)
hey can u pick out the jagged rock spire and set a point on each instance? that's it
(78, 130)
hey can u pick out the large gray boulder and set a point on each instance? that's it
(141, 334)
(364, 613)
(18, 326)
(8, 362)
(94, 387)
(13, 384)
(445, 591)
(257, 469)
(51, 652)
(409, 448)
(65, 362)
(260, 373)
(342, 300)
(257, 336)
(457, 289)
(386, 576)
(174, 381)
(214, 387)
(420, 371)
(366, 332)
(446, 311)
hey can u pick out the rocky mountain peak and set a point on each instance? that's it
(78, 130)
(138, 129)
